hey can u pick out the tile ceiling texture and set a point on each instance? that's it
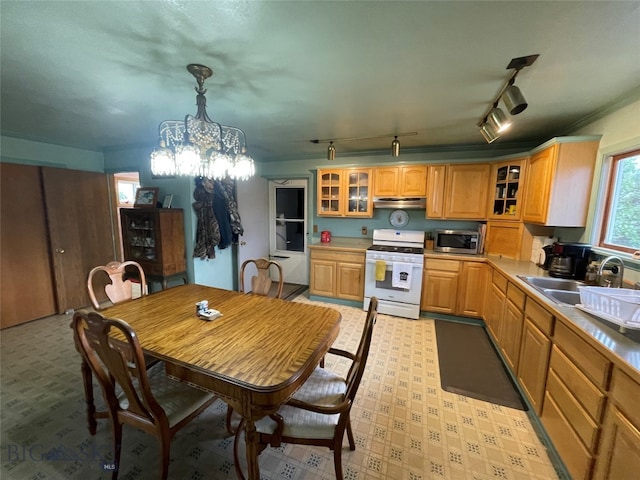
(102, 75)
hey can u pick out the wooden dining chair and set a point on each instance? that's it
(146, 399)
(119, 290)
(319, 412)
(261, 282)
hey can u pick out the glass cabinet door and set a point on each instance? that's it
(359, 200)
(507, 180)
(329, 192)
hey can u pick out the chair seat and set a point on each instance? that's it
(177, 399)
(323, 388)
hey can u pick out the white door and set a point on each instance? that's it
(288, 228)
(254, 214)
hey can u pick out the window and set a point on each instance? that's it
(621, 222)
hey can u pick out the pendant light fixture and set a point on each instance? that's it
(331, 152)
(495, 121)
(198, 146)
(395, 147)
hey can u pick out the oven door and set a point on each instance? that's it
(384, 290)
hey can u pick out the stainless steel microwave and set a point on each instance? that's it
(456, 241)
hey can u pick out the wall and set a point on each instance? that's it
(27, 152)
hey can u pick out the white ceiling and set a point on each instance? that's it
(103, 74)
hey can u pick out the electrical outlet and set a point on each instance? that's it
(315, 229)
(364, 230)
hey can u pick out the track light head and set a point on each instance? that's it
(331, 152)
(514, 100)
(498, 120)
(488, 132)
(395, 147)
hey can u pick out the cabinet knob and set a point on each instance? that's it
(60, 250)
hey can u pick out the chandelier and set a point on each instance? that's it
(200, 147)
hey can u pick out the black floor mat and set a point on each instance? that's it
(470, 366)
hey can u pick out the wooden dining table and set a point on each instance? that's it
(255, 356)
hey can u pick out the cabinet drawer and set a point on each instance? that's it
(574, 454)
(439, 264)
(499, 281)
(516, 296)
(539, 316)
(588, 359)
(334, 256)
(575, 415)
(589, 396)
(625, 393)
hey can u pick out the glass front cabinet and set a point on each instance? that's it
(345, 192)
(507, 183)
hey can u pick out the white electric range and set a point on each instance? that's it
(393, 272)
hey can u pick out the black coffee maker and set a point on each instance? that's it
(568, 260)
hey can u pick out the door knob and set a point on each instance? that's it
(59, 250)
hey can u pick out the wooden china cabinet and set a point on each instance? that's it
(154, 237)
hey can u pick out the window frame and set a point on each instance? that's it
(606, 206)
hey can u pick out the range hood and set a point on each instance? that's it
(401, 203)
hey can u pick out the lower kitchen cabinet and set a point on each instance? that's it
(574, 400)
(454, 287)
(337, 274)
(494, 302)
(534, 352)
(510, 329)
(619, 452)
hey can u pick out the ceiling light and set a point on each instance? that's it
(514, 100)
(488, 132)
(331, 152)
(498, 120)
(395, 147)
(512, 97)
(199, 147)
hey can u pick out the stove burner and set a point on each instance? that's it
(394, 249)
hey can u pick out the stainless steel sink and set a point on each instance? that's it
(560, 290)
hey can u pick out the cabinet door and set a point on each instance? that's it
(413, 181)
(494, 306)
(386, 181)
(466, 191)
(435, 190)
(80, 230)
(27, 290)
(538, 185)
(533, 365)
(359, 198)
(322, 278)
(505, 190)
(511, 334)
(330, 192)
(350, 281)
(440, 291)
(472, 289)
(619, 457)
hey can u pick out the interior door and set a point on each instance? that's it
(26, 279)
(254, 213)
(288, 228)
(81, 230)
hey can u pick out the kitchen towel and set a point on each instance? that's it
(381, 268)
(401, 275)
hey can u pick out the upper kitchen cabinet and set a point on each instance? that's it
(345, 192)
(505, 192)
(458, 191)
(401, 181)
(558, 182)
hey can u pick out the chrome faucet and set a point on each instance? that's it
(620, 270)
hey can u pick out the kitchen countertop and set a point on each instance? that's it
(348, 244)
(622, 349)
